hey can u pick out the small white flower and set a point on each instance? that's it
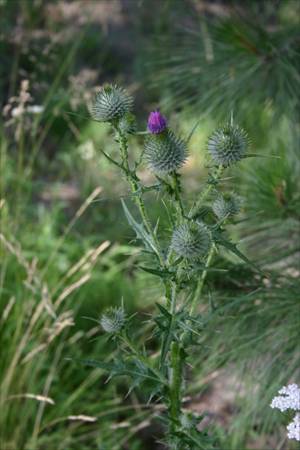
(17, 111)
(87, 150)
(35, 109)
(289, 398)
(294, 428)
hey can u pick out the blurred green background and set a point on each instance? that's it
(66, 251)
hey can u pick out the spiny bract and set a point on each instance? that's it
(228, 145)
(191, 240)
(165, 152)
(113, 320)
(226, 206)
(111, 103)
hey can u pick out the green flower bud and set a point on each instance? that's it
(127, 124)
(188, 421)
(228, 145)
(227, 206)
(113, 320)
(111, 103)
(164, 152)
(191, 240)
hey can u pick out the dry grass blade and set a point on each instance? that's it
(8, 309)
(64, 321)
(83, 418)
(69, 289)
(85, 263)
(39, 398)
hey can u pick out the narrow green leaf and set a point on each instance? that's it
(159, 273)
(233, 248)
(164, 311)
(139, 229)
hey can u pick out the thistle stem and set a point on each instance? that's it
(200, 284)
(146, 221)
(175, 385)
(195, 208)
(175, 378)
(133, 181)
(177, 192)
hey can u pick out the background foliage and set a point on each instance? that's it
(64, 251)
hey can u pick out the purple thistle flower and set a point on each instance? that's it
(157, 123)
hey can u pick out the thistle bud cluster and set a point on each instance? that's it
(184, 263)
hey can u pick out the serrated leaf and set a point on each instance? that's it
(160, 273)
(233, 248)
(134, 368)
(164, 311)
(139, 229)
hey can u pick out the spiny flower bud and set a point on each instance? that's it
(188, 421)
(164, 152)
(111, 103)
(226, 206)
(191, 240)
(127, 124)
(113, 320)
(228, 145)
(157, 123)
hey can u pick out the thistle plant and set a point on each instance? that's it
(196, 232)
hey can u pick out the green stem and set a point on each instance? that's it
(133, 181)
(175, 377)
(168, 293)
(175, 385)
(195, 208)
(201, 281)
(177, 192)
(146, 221)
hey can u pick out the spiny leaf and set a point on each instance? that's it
(233, 248)
(164, 311)
(133, 368)
(139, 229)
(160, 273)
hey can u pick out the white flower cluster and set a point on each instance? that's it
(289, 399)
(294, 428)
